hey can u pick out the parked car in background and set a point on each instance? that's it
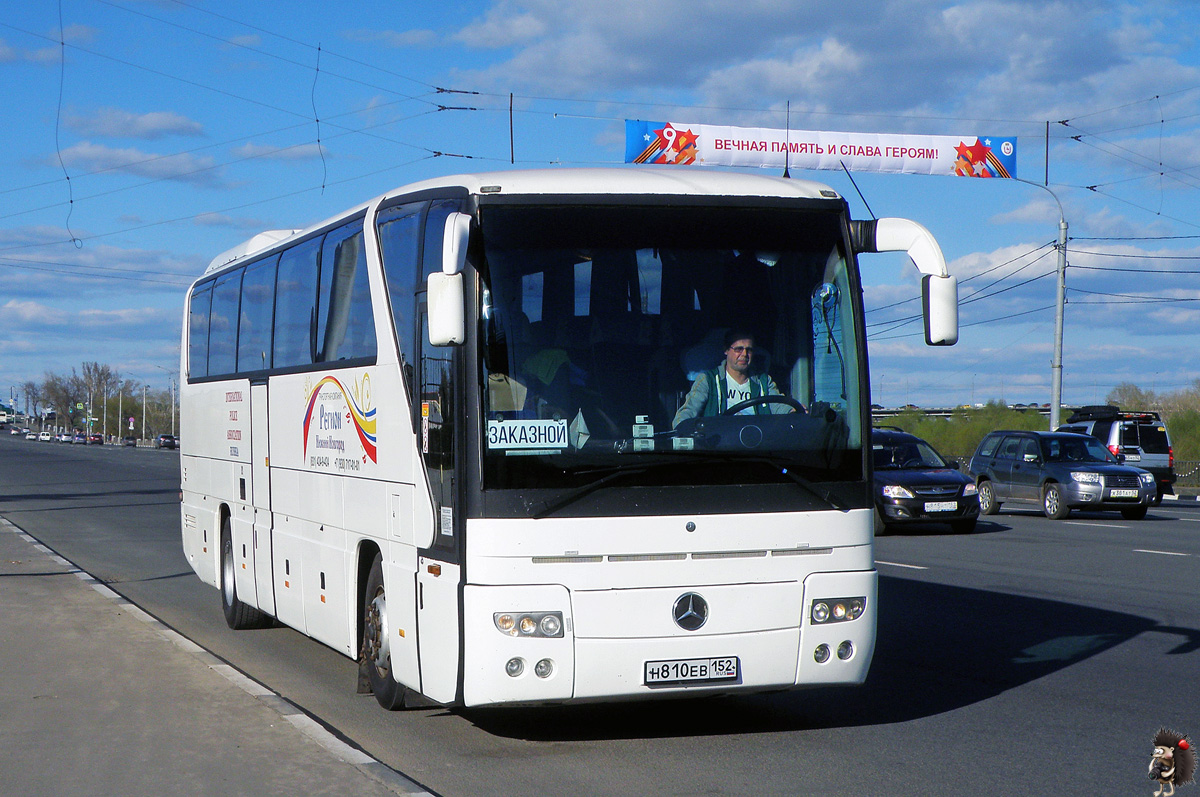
(95, 438)
(1141, 437)
(79, 437)
(63, 437)
(130, 441)
(914, 484)
(164, 441)
(31, 435)
(1058, 471)
(44, 436)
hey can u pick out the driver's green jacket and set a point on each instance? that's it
(707, 398)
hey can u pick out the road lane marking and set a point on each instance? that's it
(897, 564)
(1098, 525)
(1160, 553)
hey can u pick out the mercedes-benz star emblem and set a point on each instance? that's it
(690, 612)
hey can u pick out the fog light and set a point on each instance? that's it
(839, 611)
(544, 668)
(820, 612)
(845, 650)
(506, 623)
(515, 667)
(821, 655)
(528, 625)
(856, 609)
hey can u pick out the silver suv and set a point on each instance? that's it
(1140, 437)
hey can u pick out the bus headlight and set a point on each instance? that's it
(837, 610)
(529, 624)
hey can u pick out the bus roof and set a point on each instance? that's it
(640, 181)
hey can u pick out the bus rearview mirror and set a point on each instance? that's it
(454, 243)
(447, 313)
(939, 302)
(939, 290)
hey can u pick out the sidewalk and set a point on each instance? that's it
(97, 697)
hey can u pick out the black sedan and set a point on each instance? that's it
(913, 484)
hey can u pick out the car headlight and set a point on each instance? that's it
(896, 491)
(970, 489)
(1147, 478)
(1085, 477)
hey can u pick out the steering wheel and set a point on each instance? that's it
(753, 402)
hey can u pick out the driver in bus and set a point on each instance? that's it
(730, 383)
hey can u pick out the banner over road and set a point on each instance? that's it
(679, 144)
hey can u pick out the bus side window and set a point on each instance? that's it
(295, 305)
(399, 229)
(201, 306)
(254, 324)
(345, 322)
(223, 324)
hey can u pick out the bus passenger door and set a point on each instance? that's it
(438, 567)
(260, 495)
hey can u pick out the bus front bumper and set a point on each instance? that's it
(627, 644)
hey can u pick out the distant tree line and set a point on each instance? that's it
(958, 436)
(111, 399)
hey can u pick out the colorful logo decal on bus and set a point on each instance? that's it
(334, 417)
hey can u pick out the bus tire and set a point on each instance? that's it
(237, 614)
(376, 643)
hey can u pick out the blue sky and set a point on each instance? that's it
(186, 126)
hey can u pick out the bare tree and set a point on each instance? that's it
(64, 394)
(33, 396)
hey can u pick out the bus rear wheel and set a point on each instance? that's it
(376, 644)
(237, 614)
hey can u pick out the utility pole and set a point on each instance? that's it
(1059, 307)
(1060, 304)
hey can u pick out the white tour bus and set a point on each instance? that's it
(438, 434)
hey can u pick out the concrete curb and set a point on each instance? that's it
(291, 713)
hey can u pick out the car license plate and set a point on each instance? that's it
(1118, 493)
(692, 671)
(941, 506)
(1133, 457)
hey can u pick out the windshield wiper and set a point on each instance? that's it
(820, 492)
(539, 509)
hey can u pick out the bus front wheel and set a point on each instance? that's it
(376, 644)
(237, 614)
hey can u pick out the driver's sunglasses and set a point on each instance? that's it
(742, 349)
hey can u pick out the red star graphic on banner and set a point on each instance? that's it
(979, 152)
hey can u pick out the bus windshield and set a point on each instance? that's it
(686, 337)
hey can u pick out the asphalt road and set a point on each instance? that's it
(1029, 657)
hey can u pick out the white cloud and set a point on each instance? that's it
(31, 314)
(307, 151)
(183, 167)
(118, 123)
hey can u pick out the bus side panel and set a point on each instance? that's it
(201, 541)
(326, 588)
(288, 564)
